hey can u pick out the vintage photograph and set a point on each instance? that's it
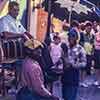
(49, 49)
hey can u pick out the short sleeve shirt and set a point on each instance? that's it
(9, 24)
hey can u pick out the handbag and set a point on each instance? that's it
(53, 73)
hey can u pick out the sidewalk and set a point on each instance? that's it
(90, 93)
(7, 98)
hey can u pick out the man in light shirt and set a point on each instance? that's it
(9, 25)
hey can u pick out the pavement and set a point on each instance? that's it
(90, 93)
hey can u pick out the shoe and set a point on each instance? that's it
(12, 91)
(84, 85)
(98, 87)
(96, 83)
(89, 83)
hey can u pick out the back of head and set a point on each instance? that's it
(32, 53)
(74, 23)
(82, 26)
(65, 27)
(32, 48)
(88, 24)
(64, 48)
(56, 37)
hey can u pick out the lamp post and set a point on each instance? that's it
(70, 13)
(72, 6)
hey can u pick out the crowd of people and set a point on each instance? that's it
(88, 38)
(68, 60)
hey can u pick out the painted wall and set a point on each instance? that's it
(3, 7)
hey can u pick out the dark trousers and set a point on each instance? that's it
(89, 64)
(26, 94)
(69, 92)
(70, 81)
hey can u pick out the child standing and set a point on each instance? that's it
(56, 54)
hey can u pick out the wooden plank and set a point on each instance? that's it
(29, 14)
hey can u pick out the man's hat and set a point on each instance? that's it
(32, 44)
(73, 34)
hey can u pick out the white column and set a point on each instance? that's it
(33, 23)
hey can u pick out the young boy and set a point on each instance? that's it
(75, 59)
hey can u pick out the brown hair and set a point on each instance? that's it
(82, 26)
(74, 23)
(88, 24)
(12, 4)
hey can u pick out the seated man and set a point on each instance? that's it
(10, 27)
(9, 24)
(32, 77)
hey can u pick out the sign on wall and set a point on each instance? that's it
(3, 7)
(42, 20)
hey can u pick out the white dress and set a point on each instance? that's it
(56, 52)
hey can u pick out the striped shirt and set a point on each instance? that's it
(32, 77)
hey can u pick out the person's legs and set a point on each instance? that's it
(26, 94)
(89, 64)
(70, 92)
(23, 94)
(97, 73)
(87, 72)
(57, 89)
(84, 72)
(82, 78)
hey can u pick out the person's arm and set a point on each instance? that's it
(4, 27)
(81, 63)
(11, 35)
(6, 32)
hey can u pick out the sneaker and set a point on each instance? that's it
(84, 84)
(12, 91)
(89, 83)
(98, 87)
(96, 83)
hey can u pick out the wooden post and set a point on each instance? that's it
(29, 14)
